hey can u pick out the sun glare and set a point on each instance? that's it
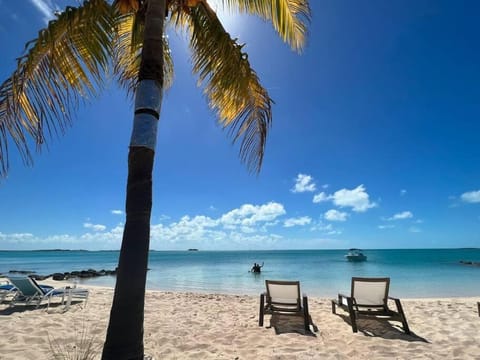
(226, 16)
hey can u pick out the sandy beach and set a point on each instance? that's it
(214, 326)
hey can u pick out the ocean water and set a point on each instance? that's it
(414, 273)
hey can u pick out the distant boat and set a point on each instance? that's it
(192, 249)
(355, 255)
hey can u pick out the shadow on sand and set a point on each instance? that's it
(383, 328)
(6, 309)
(291, 324)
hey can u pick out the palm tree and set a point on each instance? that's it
(69, 61)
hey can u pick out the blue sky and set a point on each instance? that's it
(374, 141)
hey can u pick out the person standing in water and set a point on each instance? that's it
(256, 268)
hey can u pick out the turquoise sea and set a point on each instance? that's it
(413, 272)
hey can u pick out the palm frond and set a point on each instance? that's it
(67, 62)
(126, 6)
(232, 86)
(289, 17)
(128, 44)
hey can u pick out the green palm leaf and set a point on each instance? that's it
(67, 61)
(233, 88)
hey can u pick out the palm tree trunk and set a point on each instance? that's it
(124, 340)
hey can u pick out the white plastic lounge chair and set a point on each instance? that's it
(74, 293)
(283, 297)
(29, 292)
(369, 298)
(9, 290)
(6, 291)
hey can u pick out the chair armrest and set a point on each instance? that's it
(305, 300)
(48, 292)
(57, 291)
(399, 306)
(339, 300)
(343, 296)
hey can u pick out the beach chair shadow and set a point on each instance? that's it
(54, 307)
(369, 299)
(284, 324)
(282, 300)
(382, 327)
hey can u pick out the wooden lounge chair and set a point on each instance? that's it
(369, 298)
(283, 297)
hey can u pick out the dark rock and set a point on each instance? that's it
(39, 277)
(58, 276)
(470, 263)
(84, 274)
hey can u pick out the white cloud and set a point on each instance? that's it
(357, 199)
(320, 197)
(246, 227)
(248, 215)
(16, 236)
(334, 232)
(163, 218)
(403, 192)
(27, 241)
(414, 229)
(117, 212)
(95, 227)
(321, 227)
(248, 230)
(335, 215)
(471, 196)
(300, 221)
(401, 216)
(303, 183)
(46, 8)
(205, 232)
(327, 229)
(386, 226)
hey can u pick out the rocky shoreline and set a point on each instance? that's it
(83, 274)
(471, 263)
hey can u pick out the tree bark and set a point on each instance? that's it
(124, 340)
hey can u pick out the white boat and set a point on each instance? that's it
(355, 255)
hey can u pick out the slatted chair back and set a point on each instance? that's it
(284, 295)
(370, 291)
(27, 286)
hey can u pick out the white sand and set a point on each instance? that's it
(211, 326)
